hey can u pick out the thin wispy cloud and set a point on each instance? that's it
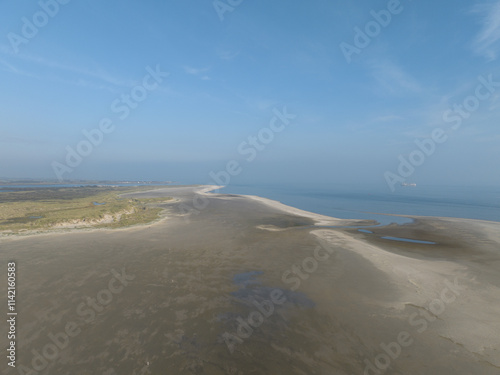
(227, 55)
(4, 65)
(194, 71)
(84, 75)
(487, 41)
(392, 78)
(387, 118)
(10, 68)
(198, 72)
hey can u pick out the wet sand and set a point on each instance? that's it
(249, 286)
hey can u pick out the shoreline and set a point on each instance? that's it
(320, 221)
(409, 216)
(320, 217)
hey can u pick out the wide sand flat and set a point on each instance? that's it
(348, 301)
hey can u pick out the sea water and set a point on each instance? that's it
(366, 202)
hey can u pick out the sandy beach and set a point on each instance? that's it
(227, 284)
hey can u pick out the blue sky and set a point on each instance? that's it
(353, 120)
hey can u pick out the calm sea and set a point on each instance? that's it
(364, 202)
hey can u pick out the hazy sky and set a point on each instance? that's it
(359, 89)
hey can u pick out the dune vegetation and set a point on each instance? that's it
(58, 208)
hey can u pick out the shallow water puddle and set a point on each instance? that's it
(364, 231)
(408, 240)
